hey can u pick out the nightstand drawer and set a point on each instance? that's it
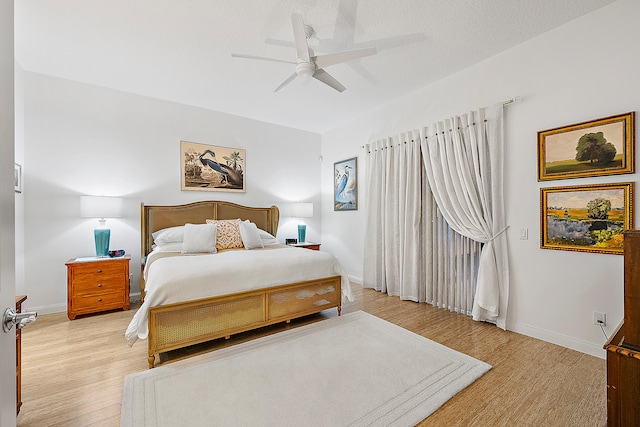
(98, 285)
(101, 302)
(98, 271)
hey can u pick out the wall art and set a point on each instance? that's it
(345, 185)
(212, 168)
(589, 218)
(598, 147)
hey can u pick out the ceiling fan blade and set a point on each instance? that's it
(286, 82)
(338, 57)
(262, 58)
(302, 48)
(328, 79)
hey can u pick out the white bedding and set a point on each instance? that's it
(172, 277)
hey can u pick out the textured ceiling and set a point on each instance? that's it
(181, 50)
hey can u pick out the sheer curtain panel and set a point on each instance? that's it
(451, 263)
(410, 251)
(392, 250)
(463, 159)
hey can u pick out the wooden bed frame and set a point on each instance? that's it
(179, 325)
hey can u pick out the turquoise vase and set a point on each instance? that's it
(102, 241)
(302, 231)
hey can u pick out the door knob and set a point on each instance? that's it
(11, 318)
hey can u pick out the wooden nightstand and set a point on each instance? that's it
(97, 284)
(307, 245)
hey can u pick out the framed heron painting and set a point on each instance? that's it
(212, 168)
(345, 185)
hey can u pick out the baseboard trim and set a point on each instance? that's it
(62, 308)
(47, 309)
(558, 339)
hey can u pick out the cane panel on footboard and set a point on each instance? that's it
(175, 326)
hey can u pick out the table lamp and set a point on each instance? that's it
(302, 210)
(101, 207)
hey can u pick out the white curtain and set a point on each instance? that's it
(392, 243)
(410, 251)
(451, 263)
(435, 216)
(464, 163)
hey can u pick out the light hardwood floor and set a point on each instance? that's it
(73, 371)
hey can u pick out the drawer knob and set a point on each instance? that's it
(99, 299)
(99, 271)
(99, 285)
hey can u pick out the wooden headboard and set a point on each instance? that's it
(154, 218)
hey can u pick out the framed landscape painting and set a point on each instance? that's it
(212, 168)
(345, 185)
(589, 218)
(598, 147)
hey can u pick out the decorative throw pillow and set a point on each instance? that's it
(199, 238)
(250, 235)
(227, 233)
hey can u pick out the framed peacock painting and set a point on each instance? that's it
(345, 185)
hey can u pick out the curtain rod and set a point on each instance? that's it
(504, 103)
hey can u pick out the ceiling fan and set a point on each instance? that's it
(308, 65)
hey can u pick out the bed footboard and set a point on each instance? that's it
(179, 325)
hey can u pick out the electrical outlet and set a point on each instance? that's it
(599, 318)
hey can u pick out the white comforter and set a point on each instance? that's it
(171, 279)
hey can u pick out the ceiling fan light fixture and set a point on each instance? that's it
(305, 69)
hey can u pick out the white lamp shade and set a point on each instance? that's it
(101, 207)
(302, 210)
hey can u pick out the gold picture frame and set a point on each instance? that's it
(587, 218)
(594, 148)
(212, 168)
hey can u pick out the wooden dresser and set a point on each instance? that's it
(19, 300)
(623, 348)
(97, 284)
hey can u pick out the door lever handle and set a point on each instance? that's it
(21, 320)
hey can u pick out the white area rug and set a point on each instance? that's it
(355, 369)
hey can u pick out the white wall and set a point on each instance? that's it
(82, 139)
(584, 70)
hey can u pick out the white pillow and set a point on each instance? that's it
(168, 247)
(250, 236)
(267, 239)
(168, 235)
(199, 238)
